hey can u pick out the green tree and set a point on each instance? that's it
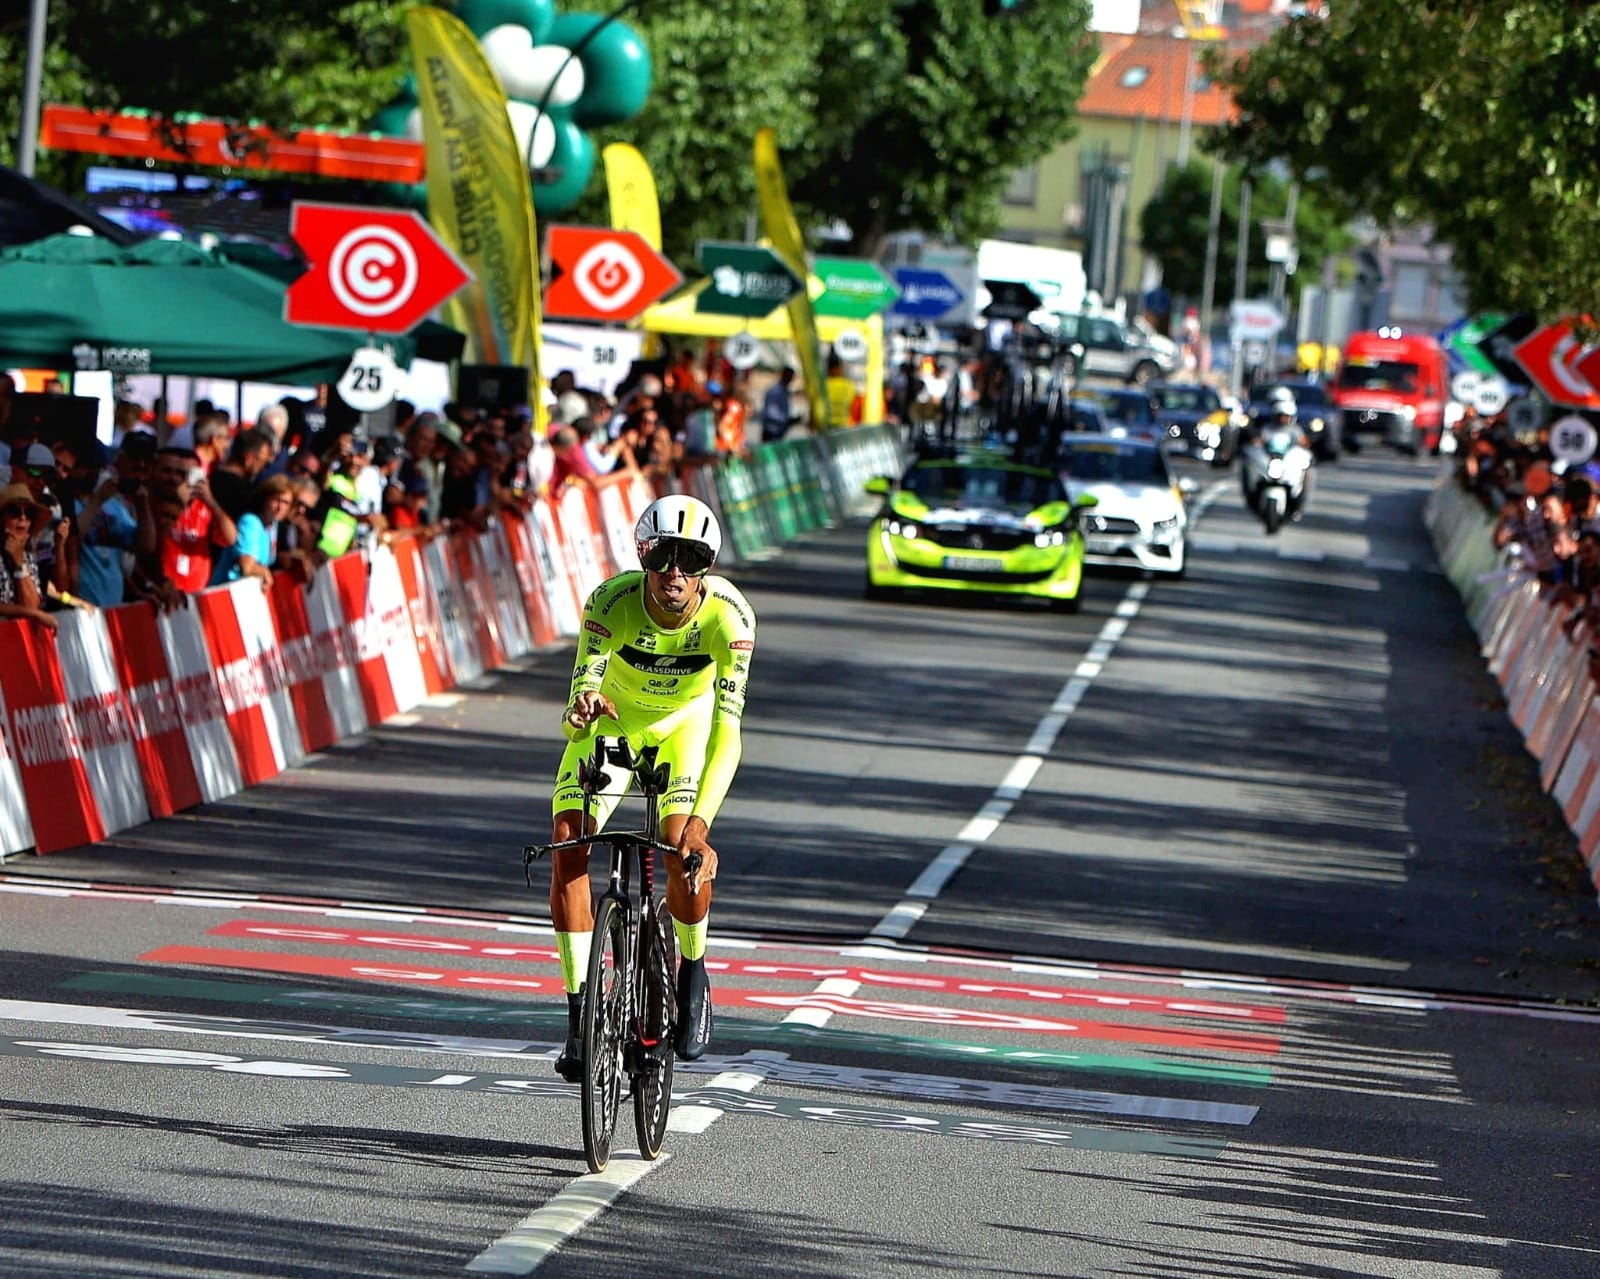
(1478, 119)
(1173, 226)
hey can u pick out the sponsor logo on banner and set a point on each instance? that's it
(577, 532)
(423, 610)
(494, 568)
(170, 780)
(341, 685)
(364, 635)
(460, 641)
(618, 525)
(16, 831)
(99, 719)
(391, 616)
(305, 663)
(558, 568)
(479, 594)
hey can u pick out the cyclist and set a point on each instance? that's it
(663, 658)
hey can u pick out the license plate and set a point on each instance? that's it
(975, 563)
(1101, 545)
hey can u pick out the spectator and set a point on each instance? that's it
(22, 592)
(116, 522)
(213, 435)
(841, 393)
(297, 535)
(370, 483)
(571, 464)
(731, 413)
(42, 477)
(338, 512)
(516, 478)
(571, 403)
(274, 420)
(604, 455)
(255, 552)
(233, 479)
(467, 491)
(195, 527)
(777, 413)
(408, 512)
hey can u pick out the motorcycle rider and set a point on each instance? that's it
(1276, 433)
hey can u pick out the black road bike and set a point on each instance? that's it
(630, 1007)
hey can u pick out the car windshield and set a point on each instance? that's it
(1307, 395)
(1134, 410)
(1378, 375)
(1118, 463)
(990, 487)
(1188, 399)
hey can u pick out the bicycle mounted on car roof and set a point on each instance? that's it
(630, 1007)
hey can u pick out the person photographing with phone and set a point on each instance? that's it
(195, 527)
(663, 660)
(116, 519)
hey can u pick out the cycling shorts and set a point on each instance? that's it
(680, 737)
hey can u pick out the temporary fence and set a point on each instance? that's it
(1539, 653)
(125, 714)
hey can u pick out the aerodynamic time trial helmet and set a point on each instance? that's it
(678, 530)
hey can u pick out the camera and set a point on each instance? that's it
(196, 475)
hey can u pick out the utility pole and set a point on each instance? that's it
(32, 78)
(1240, 272)
(1208, 289)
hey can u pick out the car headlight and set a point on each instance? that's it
(1050, 537)
(1408, 412)
(1209, 432)
(1317, 424)
(1165, 530)
(901, 528)
(1275, 469)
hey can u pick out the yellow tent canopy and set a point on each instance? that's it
(677, 315)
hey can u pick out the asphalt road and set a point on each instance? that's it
(1220, 930)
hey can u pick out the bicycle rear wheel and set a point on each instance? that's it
(605, 1012)
(658, 972)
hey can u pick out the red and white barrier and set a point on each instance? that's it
(100, 719)
(579, 536)
(423, 609)
(560, 565)
(460, 637)
(165, 765)
(16, 831)
(249, 679)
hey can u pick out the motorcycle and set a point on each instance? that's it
(1275, 473)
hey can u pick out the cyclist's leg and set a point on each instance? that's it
(682, 739)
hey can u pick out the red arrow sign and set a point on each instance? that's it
(377, 270)
(1545, 356)
(1588, 365)
(601, 274)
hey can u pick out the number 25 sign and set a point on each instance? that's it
(601, 274)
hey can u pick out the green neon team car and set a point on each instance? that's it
(976, 523)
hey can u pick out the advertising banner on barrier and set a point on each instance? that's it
(460, 639)
(493, 560)
(16, 831)
(249, 715)
(389, 616)
(616, 524)
(525, 561)
(267, 671)
(426, 626)
(558, 568)
(578, 534)
(363, 637)
(205, 723)
(341, 684)
(100, 719)
(170, 782)
(305, 663)
(478, 593)
(61, 802)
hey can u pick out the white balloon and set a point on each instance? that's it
(535, 73)
(506, 48)
(414, 123)
(526, 122)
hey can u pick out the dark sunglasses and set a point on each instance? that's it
(15, 512)
(663, 555)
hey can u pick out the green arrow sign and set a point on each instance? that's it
(1464, 341)
(746, 280)
(853, 288)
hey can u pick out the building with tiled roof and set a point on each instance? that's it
(1143, 110)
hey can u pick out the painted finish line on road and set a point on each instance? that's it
(782, 971)
(727, 1101)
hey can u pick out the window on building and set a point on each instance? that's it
(1024, 186)
(1412, 286)
(1133, 77)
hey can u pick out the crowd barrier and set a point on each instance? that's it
(1544, 672)
(126, 714)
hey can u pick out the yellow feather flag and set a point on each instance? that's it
(632, 190)
(479, 200)
(777, 216)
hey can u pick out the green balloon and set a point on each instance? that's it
(573, 160)
(616, 68)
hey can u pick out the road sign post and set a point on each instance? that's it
(746, 280)
(376, 270)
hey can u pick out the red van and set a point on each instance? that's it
(1392, 385)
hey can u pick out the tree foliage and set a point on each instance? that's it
(1477, 117)
(891, 114)
(1173, 226)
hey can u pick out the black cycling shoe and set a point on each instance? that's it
(570, 1064)
(694, 1010)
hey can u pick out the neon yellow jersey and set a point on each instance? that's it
(652, 673)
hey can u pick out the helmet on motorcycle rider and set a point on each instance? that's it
(678, 530)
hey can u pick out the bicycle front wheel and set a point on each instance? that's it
(658, 973)
(605, 1011)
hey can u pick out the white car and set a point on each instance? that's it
(1139, 520)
